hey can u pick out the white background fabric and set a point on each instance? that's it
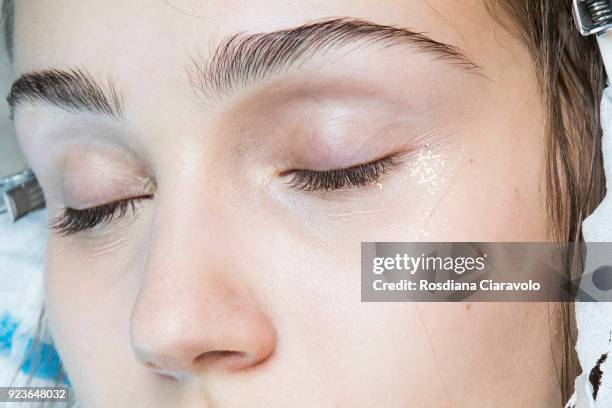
(594, 320)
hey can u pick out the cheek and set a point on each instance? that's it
(63, 307)
(500, 207)
(498, 193)
(473, 341)
(88, 319)
(336, 344)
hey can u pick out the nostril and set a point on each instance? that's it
(199, 333)
(224, 359)
(160, 371)
(150, 365)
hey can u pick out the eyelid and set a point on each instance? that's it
(358, 175)
(78, 194)
(71, 220)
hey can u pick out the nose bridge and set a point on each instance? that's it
(190, 219)
(188, 225)
(193, 311)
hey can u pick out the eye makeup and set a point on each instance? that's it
(98, 185)
(355, 176)
(71, 221)
(309, 140)
(92, 175)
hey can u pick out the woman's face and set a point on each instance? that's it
(235, 280)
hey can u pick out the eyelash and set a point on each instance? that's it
(356, 176)
(72, 221)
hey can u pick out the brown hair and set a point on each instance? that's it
(571, 77)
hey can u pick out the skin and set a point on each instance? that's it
(230, 288)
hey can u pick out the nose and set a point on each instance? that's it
(195, 311)
(188, 333)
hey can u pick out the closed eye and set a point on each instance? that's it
(71, 221)
(359, 175)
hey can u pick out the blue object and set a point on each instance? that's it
(40, 362)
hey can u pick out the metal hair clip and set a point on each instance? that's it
(20, 194)
(593, 16)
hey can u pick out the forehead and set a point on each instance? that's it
(114, 34)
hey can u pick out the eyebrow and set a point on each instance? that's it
(238, 61)
(243, 59)
(72, 90)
